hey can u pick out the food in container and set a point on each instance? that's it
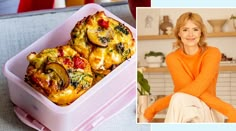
(98, 44)
(60, 74)
(105, 99)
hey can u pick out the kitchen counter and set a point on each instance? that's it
(20, 30)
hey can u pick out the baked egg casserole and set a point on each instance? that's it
(97, 46)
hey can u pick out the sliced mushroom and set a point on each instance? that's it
(98, 37)
(61, 72)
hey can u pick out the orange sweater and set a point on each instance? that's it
(195, 75)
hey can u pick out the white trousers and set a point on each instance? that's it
(185, 108)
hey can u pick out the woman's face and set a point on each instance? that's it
(190, 34)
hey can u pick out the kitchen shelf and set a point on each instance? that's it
(164, 69)
(157, 69)
(160, 37)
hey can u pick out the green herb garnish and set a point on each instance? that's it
(122, 29)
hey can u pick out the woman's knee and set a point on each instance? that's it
(181, 98)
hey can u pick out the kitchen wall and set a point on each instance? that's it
(225, 44)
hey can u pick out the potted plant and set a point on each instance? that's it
(154, 59)
(144, 92)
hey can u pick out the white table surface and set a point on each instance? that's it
(16, 34)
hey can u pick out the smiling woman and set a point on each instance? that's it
(194, 68)
(190, 29)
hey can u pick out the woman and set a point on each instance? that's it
(194, 70)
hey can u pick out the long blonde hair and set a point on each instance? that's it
(197, 20)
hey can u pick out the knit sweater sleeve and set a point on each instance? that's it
(179, 76)
(157, 106)
(209, 69)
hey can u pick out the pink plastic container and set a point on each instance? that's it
(106, 98)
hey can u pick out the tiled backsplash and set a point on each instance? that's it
(161, 84)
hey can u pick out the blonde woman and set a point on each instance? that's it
(194, 68)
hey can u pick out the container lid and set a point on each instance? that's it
(28, 120)
(108, 111)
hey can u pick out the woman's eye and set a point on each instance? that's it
(184, 30)
(196, 29)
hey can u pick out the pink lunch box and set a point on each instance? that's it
(112, 94)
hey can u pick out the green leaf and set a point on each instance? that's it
(140, 92)
(145, 87)
(153, 53)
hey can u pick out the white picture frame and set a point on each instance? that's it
(147, 21)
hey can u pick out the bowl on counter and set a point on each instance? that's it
(154, 61)
(217, 24)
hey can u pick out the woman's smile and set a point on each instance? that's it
(190, 34)
(190, 38)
